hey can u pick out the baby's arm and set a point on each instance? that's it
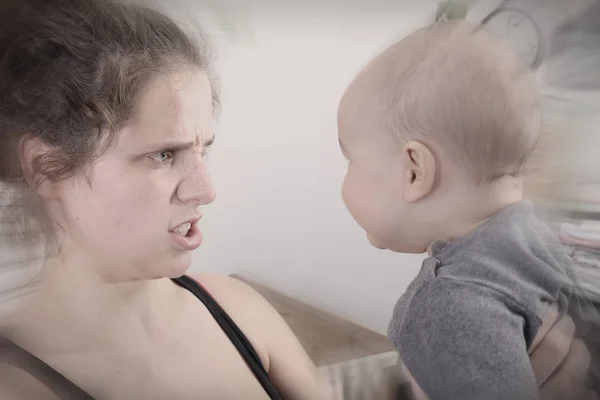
(466, 341)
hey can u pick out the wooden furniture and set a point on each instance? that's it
(327, 339)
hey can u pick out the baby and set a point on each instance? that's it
(436, 131)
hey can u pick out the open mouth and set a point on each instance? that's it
(187, 236)
(183, 229)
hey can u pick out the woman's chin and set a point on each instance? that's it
(177, 267)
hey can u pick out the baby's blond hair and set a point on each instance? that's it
(462, 88)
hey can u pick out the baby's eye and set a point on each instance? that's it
(162, 156)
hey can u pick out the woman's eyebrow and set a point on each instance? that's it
(178, 145)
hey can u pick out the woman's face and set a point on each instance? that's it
(129, 217)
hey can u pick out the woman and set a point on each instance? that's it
(109, 110)
(105, 118)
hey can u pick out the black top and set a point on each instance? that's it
(66, 390)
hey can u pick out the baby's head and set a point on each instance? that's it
(436, 130)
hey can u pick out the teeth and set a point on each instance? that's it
(183, 229)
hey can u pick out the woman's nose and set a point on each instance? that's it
(196, 185)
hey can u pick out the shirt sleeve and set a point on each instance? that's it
(466, 341)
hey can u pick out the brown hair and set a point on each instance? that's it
(70, 75)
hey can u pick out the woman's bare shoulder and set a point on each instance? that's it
(229, 292)
(246, 307)
(288, 365)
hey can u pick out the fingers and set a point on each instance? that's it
(553, 349)
(569, 382)
(550, 318)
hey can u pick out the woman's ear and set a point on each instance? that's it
(31, 151)
(419, 169)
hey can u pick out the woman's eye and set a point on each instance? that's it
(162, 156)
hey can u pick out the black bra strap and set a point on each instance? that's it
(12, 354)
(235, 335)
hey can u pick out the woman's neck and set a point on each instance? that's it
(83, 309)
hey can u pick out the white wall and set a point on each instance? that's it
(277, 168)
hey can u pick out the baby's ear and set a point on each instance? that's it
(419, 171)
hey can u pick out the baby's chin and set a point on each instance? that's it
(376, 243)
(396, 247)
